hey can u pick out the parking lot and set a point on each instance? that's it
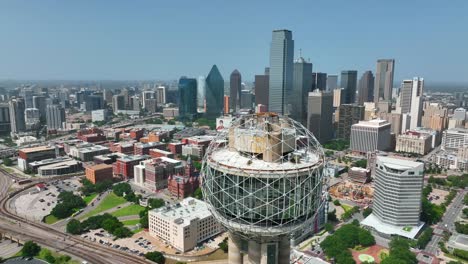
(142, 242)
(35, 204)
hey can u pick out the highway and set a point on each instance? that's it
(50, 237)
(447, 222)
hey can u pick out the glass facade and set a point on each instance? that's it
(214, 86)
(188, 98)
(349, 83)
(281, 71)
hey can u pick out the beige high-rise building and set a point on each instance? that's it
(370, 111)
(183, 226)
(435, 116)
(395, 121)
(337, 97)
(414, 142)
(384, 80)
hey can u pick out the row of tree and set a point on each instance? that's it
(68, 203)
(400, 252)
(106, 221)
(90, 188)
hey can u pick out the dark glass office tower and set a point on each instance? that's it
(214, 85)
(366, 88)
(319, 81)
(349, 82)
(302, 81)
(281, 71)
(235, 91)
(187, 98)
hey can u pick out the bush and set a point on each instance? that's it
(49, 258)
(361, 163)
(366, 212)
(424, 238)
(463, 254)
(461, 228)
(156, 256)
(224, 245)
(337, 203)
(7, 161)
(30, 249)
(198, 193)
(74, 227)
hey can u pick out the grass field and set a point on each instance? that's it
(131, 222)
(109, 202)
(136, 231)
(346, 208)
(89, 198)
(50, 219)
(59, 259)
(133, 209)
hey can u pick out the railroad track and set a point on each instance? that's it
(91, 252)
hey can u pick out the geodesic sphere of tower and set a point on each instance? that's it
(262, 176)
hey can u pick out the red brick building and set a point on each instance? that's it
(136, 134)
(99, 173)
(182, 186)
(123, 167)
(122, 147)
(91, 135)
(175, 147)
(144, 148)
(157, 153)
(159, 170)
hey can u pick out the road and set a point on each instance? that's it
(447, 222)
(50, 237)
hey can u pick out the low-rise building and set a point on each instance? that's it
(86, 152)
(158, 170)
(99, 173)
(193, 151)
(99, 115)
(414, 142)
(183, 225)
(175, 147)
(60, 168)
(124, 166)
(125, 147)
(28, 155)
(182, 186)
(359, 175)
(145, 148)
(157, 153)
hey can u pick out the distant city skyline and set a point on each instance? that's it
(88, 40)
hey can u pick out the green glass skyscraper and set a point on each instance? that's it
(214, 85)
(188, 98)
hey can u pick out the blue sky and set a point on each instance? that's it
(166, 39)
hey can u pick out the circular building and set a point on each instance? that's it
(262, 179)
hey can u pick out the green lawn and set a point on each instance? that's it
(346, 208)
(131, 222)
(59, 258)
(133, 209)
(137, 230)
(89, 198)
(109, 202)
(50, 219)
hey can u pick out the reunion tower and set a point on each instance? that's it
(262, 179)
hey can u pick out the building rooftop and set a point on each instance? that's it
(404, 231)
(100, 167)
(399, 164)
(129, 158)
(373, 123)
(59, 165)
(93, 148)
(185, 212)
(37, 149)
(49, 161)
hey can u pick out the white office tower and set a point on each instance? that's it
(262, 180)
(459, 114)
(397, 197)
(411, 100)
(31, 118)
(373, 135)
(201, 90)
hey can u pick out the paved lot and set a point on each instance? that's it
(24, 261)
(8, 248)
(35, 204)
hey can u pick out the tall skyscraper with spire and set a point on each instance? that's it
(235, 90)
(281, 71)
(302, 81)
(384, 80)
(214, 84)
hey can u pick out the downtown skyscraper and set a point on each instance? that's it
(17, 120)
(366, 88)
(214, 84)
(235, 82)
(302, 81)
(384, 80)
(188, 98)
(348, 83)
(281, 71)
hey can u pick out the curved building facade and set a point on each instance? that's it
(262, 180)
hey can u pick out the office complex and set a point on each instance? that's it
(269, 165)
(39, 102)
(349, 114)
(366, 88)
(349, 83)
(370, 136)
(55, 116)
(332, 82)
(17, 107)
(184, 225)
(414, 142)
(201, 92)
(319, 81)
(454, 139)
(235, 87)
(397, 197)
(320, 115)
(161, 95)
(384, 80)
(214, 84)
(302, 81)
(187, 98)
(262, 84)
(281, 71)
(118, 103)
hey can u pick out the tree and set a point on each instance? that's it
(156, 256)
(156, 203)
(74, 227)
(121, 188)
(424, 238)
(7, 161)
(198, 193)
(49, 258)
(224, 245)
(337, 203)
(366, 212)
(121, 232)
(328, 227)
(361, 163)
(365, 238)
(331, 216)
(30, 249)
(111, 224)
(171, 122)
